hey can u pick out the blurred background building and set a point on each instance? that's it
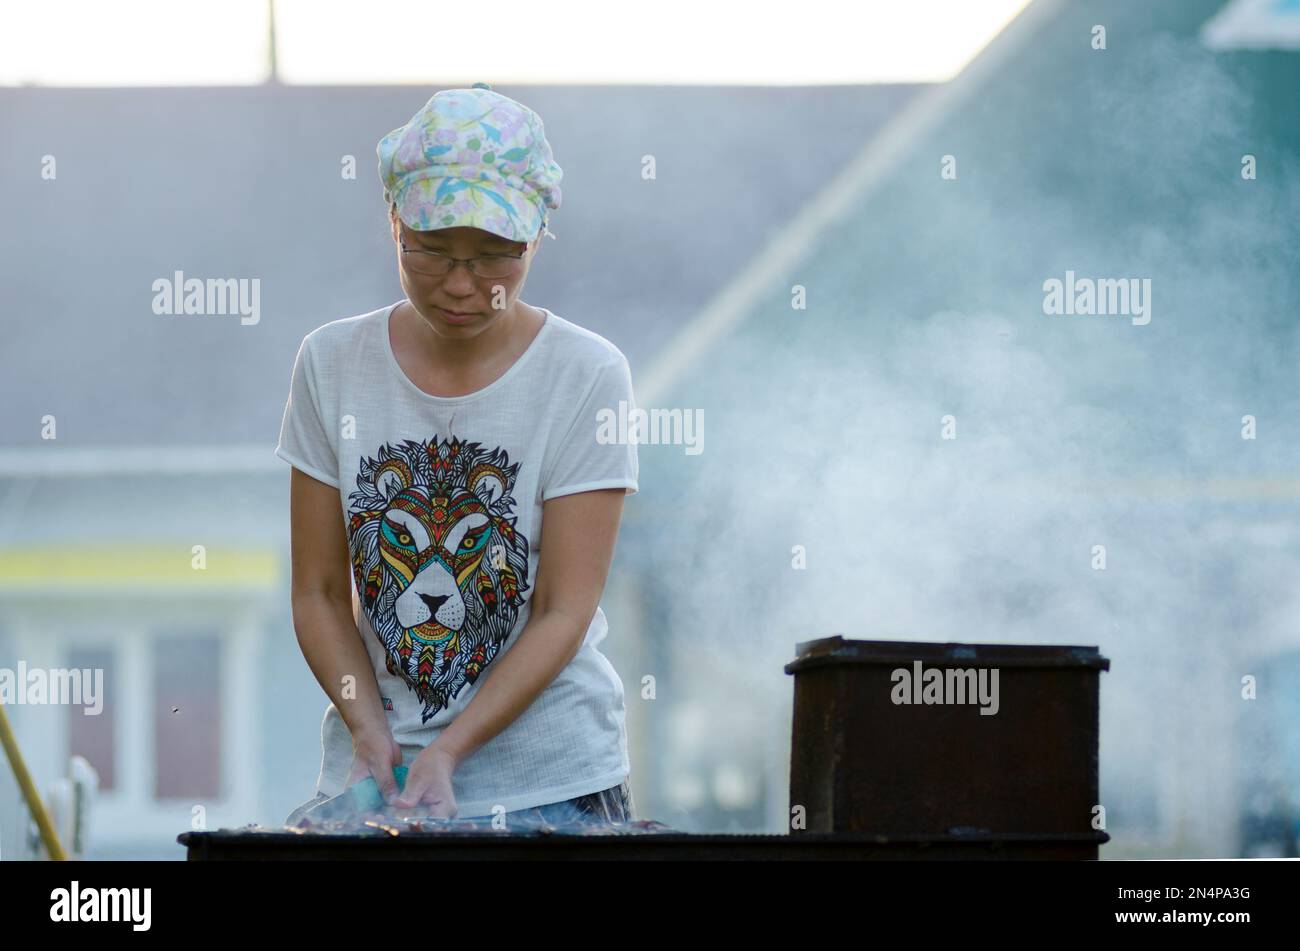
(924, 298)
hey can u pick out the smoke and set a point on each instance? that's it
(826, 431)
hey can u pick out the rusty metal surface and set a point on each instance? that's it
(836, 650)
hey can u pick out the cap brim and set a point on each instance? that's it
(419, 214)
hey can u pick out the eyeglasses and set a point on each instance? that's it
(437, 264)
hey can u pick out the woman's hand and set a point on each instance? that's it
(428, 783)
(376, 754)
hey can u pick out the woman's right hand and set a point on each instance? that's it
(375, 754)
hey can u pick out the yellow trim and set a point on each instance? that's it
(151, 565)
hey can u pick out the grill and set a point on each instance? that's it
(236, 845)
(872, 778)
(1024, 776)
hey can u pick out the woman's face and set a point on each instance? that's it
(479, 301)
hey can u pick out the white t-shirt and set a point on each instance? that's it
(442, 502)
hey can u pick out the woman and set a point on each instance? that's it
(448, 427)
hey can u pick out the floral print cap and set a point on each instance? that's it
(472, 158)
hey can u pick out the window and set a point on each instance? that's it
(92, 736)
(187, 716)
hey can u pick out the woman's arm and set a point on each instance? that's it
(579, 534)
(327, 632)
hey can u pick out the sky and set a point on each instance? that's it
(322, 42)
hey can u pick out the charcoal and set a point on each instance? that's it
(385, 823)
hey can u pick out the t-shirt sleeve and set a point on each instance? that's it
(304, 438)
(597, 452)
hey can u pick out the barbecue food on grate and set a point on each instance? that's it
(394, 821)
(385, 823)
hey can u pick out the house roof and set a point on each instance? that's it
(925, 292)
(246, 182)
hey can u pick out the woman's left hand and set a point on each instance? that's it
(428, 784)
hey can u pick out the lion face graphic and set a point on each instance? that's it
(437, 562)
